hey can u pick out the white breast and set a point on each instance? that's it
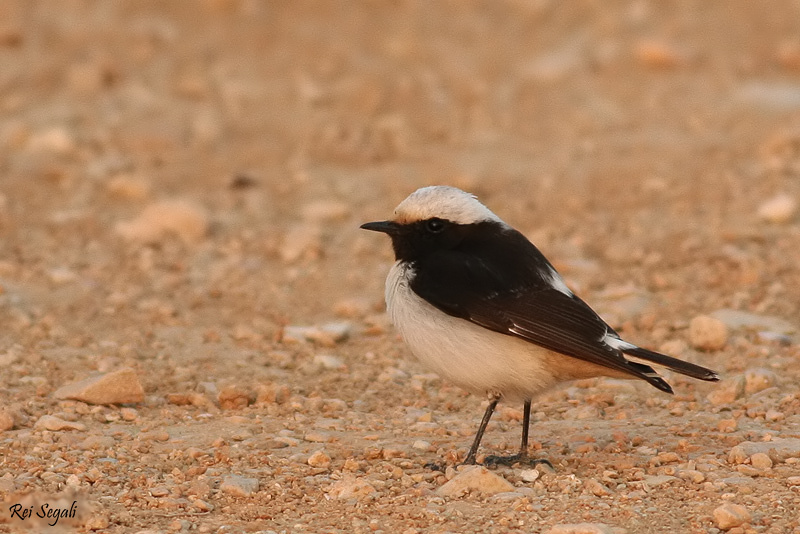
(472, 357)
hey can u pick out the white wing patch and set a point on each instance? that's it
(557, 282)
(616, 343)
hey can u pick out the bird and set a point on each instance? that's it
(477, 303)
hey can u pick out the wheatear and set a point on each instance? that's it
(481, 306)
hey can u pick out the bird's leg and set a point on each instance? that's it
(522, 456)
(473, 450)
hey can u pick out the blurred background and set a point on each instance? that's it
(220, 154)
(173, 159)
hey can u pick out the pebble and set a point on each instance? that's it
(778, 210)
(596, 488)
(272, 393)
(778, 450)
(319, 459)
(761, 460)
(421, 445)
(654, 481)
(529, 475)
(317, 437)
(350, 487)
(117, 387)
(731, 515)
(185, 219)
(707, 333)
(239, 486)
(585, 528)
(327, 334)
(328, 361)
(727, 391)
(55, 140)
(234, 398)
(474, 478)
(6, 420)
(727, 425)
(759, 379)
(53, 423)
(128, 187)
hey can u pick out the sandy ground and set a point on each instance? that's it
(181, 184)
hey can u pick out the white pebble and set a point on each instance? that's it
(778, 209)
(707, 333)
(529, 475)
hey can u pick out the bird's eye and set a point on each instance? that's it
(434, 226)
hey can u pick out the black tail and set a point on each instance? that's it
(673, 364)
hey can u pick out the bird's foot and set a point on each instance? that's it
(522, 459)
(435, 466)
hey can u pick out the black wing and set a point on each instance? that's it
(518, 297)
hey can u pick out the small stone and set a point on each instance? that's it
(62, 275)
(6, 420)
(596, 488)
(159, 491)
(731, 515)
(234, 398)
(654, 481)
(54, 424)
(350, 487)
(761, 461)
(421, 445)
(97, 522)
(55, 140)
(529, 475)
(328, 361)
(727, 425)
(317, 437)
(239, 486)
(117, 387)
(778, 450)
(167, 217)
(73, 481)
(585, 528)
(327, 334)
(128, 414)
(128, 187)
(202, 506)
(272, 394)
(707, 333)
(319, 459)
(691, 475)
(727, 391)
(475, 478)
(759, 379)
(778, 209)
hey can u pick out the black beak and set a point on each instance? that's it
(387, 227)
